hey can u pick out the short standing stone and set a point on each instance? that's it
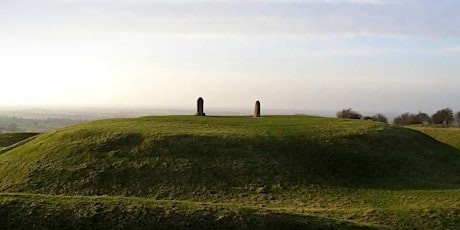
(257, 109)
(200, 107)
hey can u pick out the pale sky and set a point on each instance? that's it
(372, 55)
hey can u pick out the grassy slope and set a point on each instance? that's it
(348, 170)
(64, 212)
(7, 139)
(450, 136)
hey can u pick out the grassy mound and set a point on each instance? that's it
(186, 157)
(276, 172)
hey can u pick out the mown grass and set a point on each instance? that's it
(450, 136)
(334, 169)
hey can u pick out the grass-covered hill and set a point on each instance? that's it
(187, 157)
(183, 156)
(333, 169)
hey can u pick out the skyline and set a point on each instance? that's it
(370, 55)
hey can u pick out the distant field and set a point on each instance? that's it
(450, 136)
(276, 172)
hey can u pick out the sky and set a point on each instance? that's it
(371, 55)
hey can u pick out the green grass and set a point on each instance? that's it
(7, 139)
(64, 212)
(450, 136)
(399, 210)
(331, 170)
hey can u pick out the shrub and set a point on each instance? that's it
(380, 118)
(457, 117)
(349, 113)
(443, 116)
(403, 119)
(412, 119)
(423, 118)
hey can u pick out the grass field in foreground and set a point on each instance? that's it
(419, 210)
(325, 170)
(141, 213)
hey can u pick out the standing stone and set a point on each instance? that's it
(257, 109)
(200, 107)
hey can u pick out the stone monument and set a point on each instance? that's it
(200, 107)
(257, 109)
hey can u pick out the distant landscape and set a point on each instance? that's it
(27, 119)
(36, 119)
(30, 119)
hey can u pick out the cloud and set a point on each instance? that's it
(194, 1)
(405, 18)
(452, 49)
(311, 17)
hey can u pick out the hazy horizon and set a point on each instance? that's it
(383, 56)
(101, 112)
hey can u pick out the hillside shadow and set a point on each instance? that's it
(419, 132)
(195, 165)
(346, 162)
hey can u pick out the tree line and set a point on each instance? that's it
(441, 117)
(445, 117)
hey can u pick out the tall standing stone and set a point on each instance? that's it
(257, 109)
(200, 107)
